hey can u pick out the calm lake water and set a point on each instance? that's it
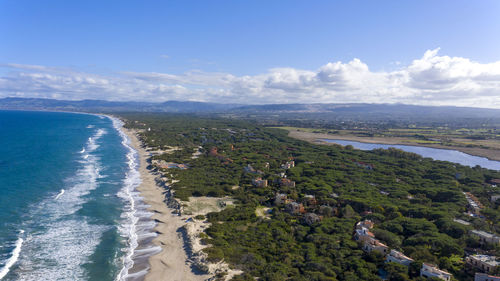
(434, 153)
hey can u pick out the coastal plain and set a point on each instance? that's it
(274, 207)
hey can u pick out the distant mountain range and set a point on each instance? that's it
(111, 106)
(327, 112)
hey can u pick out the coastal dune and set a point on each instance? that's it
(172, 262)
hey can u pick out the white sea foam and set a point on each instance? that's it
(91, 144)
(134, 210)
(60, 194)
(63, 242)
(14, 257)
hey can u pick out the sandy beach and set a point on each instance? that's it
(172, 262)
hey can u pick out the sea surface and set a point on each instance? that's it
(434, 153)
(69, 209)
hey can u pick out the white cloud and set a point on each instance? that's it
(430, 80)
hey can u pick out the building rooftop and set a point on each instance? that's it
(399, 255)
(483, 233)
(490, 260)
(434, 269)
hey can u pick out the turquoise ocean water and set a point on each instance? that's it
(68, 205)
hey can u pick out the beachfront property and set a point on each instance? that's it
(429, 271)
(484, 263)
(486, 237)
(485, 277)
(162, 164)
(398, 257)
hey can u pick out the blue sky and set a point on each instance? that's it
(105, 39)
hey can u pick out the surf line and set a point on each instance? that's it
(15, 256)
(131, 182)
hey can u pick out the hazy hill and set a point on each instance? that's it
(317, 112)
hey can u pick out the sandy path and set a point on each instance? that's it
(171, 263)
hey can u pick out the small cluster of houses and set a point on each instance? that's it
(484, 263)
(369, 243)
(281, 199)
(295, 208)
(282, 181)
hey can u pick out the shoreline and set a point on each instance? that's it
(172, 262)
(490, 154)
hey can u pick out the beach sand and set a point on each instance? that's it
(171, 263)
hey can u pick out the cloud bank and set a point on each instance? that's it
(429, 80)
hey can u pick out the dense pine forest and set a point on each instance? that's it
(312, 196)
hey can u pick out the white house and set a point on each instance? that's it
(429, 271)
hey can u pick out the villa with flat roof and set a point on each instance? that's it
(429, 270)
(484, 263)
